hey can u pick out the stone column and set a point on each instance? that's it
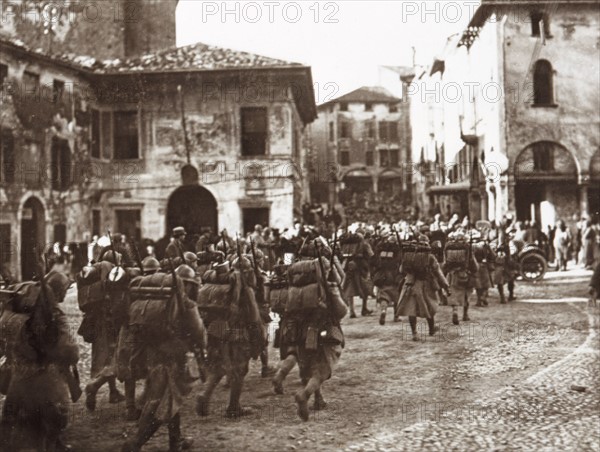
(584, 183)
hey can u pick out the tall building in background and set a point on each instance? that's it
(360, 142)
(515, 107)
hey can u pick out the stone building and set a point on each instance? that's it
(527, 114)
(360, 145)
(140, 142)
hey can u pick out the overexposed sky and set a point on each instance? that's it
(343, 41)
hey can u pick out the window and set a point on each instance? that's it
(393, 108)
(384, 157)
(125, 136)
(344, 106)
(7, 156)
(254, 131)
(253, 216)
(5, 241)
(369, 158)
(383, 131)
(345, 130)
(543, 157)
(61, 164)
(31, 84)
(106, 135)
(370, 129)
(331, 132)
(3, 73)
(58, 87)
(388, 131)
(394, 158)
(95, 131)
(129, 223)
(96, 221)
(368, 106)
(543, 84)
(296, 144)
(60, 234)
(344, 158)
(540, 21)
(393, 131)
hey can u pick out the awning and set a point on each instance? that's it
(449, 189)
(357, 173)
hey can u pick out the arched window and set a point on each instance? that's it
(543, 84)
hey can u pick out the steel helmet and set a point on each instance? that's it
(150, 264)
(190, 258)
(186, 273)
(112, 257)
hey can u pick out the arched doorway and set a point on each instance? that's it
(194, 208)
(546, 183)
(33, 236)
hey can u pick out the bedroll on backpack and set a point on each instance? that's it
(307, 272)
(90, 286)
(152, 299)
(456, 255)
(388, 254)
(276, 294)
(480, 251)
(22, 297)
(15, 334)
(415, 258)
(221, 297)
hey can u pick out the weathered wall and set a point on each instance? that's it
(104, 29)
(574, 51)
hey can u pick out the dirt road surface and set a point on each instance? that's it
(499, 382)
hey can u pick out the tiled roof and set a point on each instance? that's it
(195, 57)
(367, 94)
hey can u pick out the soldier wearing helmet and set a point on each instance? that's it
(151, 265)
(191, 284)
(191, 260)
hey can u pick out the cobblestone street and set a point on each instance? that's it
(500, 382)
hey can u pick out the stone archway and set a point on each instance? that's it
(194, 208)
(546, 183)
(33, 236)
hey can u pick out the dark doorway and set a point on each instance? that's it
(194, 208)
(253, 216)
(594, 203)
(129, 223)
(33, 237)
(528, 198)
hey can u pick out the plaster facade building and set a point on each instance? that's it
(518, 113)
(198, 136)
(360, 144)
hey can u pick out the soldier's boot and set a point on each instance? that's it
(383, 311)
(455, 316)
(91, 389)
(479, 303)
(511, 291)
(234, 409)
(364, 311)
(285, 367)
(266, 370)
(302, 396)
(148, 426)
(432, 328)
(351, 306)
(412, 321)
(176, 442)
(484, 295)
(319, 402)
(501, 292)
(114, 395)
(466, 312)
(203, 399)
(133, 413)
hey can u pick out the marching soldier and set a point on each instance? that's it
(504, 272)
(170, 330)
(423, 278)
(41, 360)
(460, 267)
(357, 254)
(100, 326)
(386, 276)
(485, 259)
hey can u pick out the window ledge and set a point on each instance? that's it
(544, 106)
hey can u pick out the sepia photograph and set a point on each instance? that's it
(254, 226)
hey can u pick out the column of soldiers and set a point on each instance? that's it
(205, 315)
